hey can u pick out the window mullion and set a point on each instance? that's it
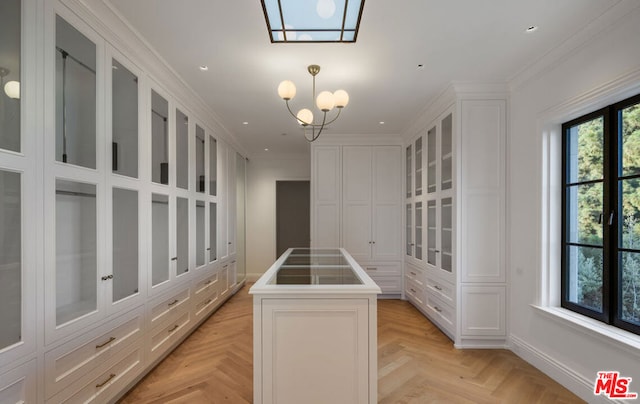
(610, 231)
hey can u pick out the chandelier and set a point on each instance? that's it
(325, 101)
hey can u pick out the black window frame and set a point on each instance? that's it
(611, 216)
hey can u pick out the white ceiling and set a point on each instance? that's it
(466, 40)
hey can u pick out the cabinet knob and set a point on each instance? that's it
(107, 277)
(209, 249)
(174, 259)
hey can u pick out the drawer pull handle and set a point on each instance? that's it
(413, 290)
(438, 309)
(372, 269)
(106, 343)
(209, 249)
(175, 327)
(173, 302)
(111, 376)
(107, 277)
(208, 282)
(413, 273)
(437, 287)
(207, 302)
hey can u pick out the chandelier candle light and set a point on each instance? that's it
(325, 101)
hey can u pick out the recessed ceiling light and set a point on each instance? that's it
(204, 68)
(531, 28)
(245, 123)
(420, 66)
(266, 149)
(381, 122)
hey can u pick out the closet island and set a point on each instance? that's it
(315, 330)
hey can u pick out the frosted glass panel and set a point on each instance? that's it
(213, 168)
(75, 96)
(447, 138)
(408, 155)
(431, 232)
(182, 235)
(125, 243)
(418, 228)
(446, 236)
(124, 121)
(409, 232)
(182, 150)
(159, 139)
(200, 177)
(431, 160)
(213, 228)
(200, 233)
(10, 258)
(160, 238)
(10, 42)
(76, 249)
(418, 163)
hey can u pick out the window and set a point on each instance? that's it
(601, 215)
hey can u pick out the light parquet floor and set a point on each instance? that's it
(416, 364)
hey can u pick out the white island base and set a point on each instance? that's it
(315, 330)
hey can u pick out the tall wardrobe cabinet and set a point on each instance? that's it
(455, 215)
(356, 204)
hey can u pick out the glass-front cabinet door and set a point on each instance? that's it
(17, 181)
(182, 150)
(199, 158)
(408, 170)
(125, 255)
(75, 218)
(182, 236)
(200, 233)
(431, 161)
(159, 139)
(124, 120)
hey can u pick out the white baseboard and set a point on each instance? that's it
(569, 378)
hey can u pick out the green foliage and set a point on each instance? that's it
(590, 167)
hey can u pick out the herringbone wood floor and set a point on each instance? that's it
(416, 364)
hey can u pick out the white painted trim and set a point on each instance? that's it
(569, 378)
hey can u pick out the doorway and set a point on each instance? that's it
(292, 215)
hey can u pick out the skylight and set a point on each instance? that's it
(313, 20)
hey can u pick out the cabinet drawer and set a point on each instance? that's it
(162, 337)
(382, 269)
(414, 292)
(67, 363)
(205, 303)
(206, 285)
(164, 307)
(415, 274)
(441, 312)
(104, 385)
(19, 385)
(223, 278)
(388, 284)
(444, 290)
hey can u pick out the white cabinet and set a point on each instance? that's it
(19, 385)
(371, 202)
(356, 203)
(326, 196)
(460, 284)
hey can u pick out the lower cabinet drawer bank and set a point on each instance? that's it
(162, 338)
(19, 385)
(67, 363)
(441, 313)
(104, 383)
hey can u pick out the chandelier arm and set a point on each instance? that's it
(324, 120)
(294, 115)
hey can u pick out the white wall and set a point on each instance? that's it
(262, 174)
(600, 71)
